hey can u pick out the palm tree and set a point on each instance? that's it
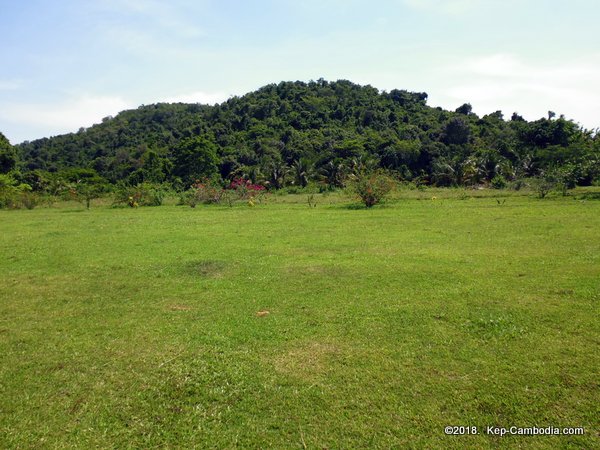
(277, 172)
(334, 174)
(303, 171)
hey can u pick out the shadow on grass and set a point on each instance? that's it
(361, 206)
(68, 211)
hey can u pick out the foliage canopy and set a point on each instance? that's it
(296, 132)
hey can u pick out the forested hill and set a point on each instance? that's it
(293, 132)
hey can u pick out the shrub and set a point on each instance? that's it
(565, 177)
(84, 192)
(373, 187)
(517, 184)
(154, 194)
(229, 197)
(188, 198)
(143, 194)
(542, 185)
(202, 191)
(28, 199)
(14, 195)
(210, 192)
(498, 182)
(246, 189)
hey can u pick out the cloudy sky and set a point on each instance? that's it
(69, 63)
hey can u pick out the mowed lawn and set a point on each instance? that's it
(123, 328)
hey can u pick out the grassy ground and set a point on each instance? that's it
(149, 328)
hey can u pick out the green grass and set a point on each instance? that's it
(124, 328)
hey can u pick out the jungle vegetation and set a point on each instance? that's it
(295, 133)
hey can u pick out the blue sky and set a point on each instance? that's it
(68, 63)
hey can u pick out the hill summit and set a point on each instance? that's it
(293, 132)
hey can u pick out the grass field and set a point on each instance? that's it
(145, 328)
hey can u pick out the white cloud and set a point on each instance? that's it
(62, 117)
(507, 65)
(509, 83)
(30, 121)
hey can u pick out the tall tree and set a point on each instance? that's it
(195, 158)
(8, 156)
(457, 131)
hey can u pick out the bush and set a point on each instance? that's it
(245, 189)
(499, 182)
(205, 191)
(373, 187)
(210, 192)
(565, 177)
(16, 195)
(542, 185)
(517, 184)
(143, 194)
(85, 192)
(28, 199)
(153, 194)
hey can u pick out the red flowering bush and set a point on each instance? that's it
(248, 191)
(202, 191)
(245, 188)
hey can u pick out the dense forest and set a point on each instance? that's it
(296, 133)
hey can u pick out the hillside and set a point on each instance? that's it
(292, 132)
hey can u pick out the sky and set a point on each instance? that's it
(67, 64)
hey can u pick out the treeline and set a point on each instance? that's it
(296, 133)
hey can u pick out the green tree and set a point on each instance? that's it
(318, 121)
(154, 169)
(465, 109)
(349, 148)
(8, 156)
(303, 171)
(195, 158)
(457, 131)
(277, 173)
(84, 185)
(334, 174)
